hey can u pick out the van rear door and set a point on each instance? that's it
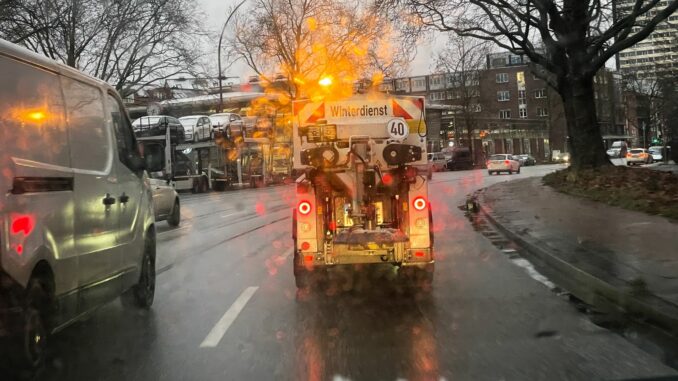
(36, 204)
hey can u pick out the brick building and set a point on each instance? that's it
(508, 108)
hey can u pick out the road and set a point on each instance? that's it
(226, 308)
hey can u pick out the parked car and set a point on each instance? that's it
(166, 201)
(637, 156)
(656, 153)
(157, 125)
(438, 161)
(460, 159)
(618, 149)
(526, 160)
(197, 127)
(228, 124)
(503, 163)
(77, 215)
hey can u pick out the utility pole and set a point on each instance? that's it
(221, 37)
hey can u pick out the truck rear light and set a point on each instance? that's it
(305, 246)
(506, 162)
(419, 254)
(304, 208)
(419, 203)
(421, 222)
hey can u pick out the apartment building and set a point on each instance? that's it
(657, 55)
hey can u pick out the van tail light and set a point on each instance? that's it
(628, 155)
(304, 208)
(419, 203)
(506, 162)
(488, 163)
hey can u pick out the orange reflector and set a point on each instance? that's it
(304, 207)
(419, 203)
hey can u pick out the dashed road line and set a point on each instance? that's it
(214, 337)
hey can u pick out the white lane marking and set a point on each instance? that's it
(533, 273)
(287, 253)
(214, 337)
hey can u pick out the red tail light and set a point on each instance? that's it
(628, 155)
(22, 224)
(506, 162)
(419, 203)
(488, 163)
(304, 208)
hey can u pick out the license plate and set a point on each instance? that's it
(634, 155)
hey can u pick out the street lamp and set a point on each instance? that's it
(221, 37)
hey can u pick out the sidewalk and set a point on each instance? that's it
(668, 167)
(593, 250)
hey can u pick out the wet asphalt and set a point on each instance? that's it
(226, 274)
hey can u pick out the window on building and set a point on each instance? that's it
(502, 78)
(504, 114)
(503, 96)
(541, 112)
(541, 93)
(521, 94)
(522, 112)
(476, 107)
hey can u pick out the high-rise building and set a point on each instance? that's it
(657, 55)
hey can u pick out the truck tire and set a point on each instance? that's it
(301, 275)
(203, 187)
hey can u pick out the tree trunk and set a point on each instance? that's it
(585, 140)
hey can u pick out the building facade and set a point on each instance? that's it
(657, 55)
(508, 109)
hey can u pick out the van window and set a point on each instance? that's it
(123, 132)
(32, 122)
(89, 135)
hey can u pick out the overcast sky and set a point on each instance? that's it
(216, 13)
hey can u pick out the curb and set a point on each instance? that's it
(589, 288)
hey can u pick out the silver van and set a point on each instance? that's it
(76, 214)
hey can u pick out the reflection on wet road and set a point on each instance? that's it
(227, 309)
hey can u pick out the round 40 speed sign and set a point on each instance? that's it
(397, 129)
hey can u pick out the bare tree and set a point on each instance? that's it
(567, 41)
(128, 43)
(306, 40)
(660, 93)
(463, 60)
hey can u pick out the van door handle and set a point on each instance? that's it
(124, 198)
(108, 200)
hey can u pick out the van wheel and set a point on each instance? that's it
(142, 294)
(175, 218)
(30, 344)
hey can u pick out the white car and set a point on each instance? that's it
(656, 152)
(503, 163)
(197, 128)
(437, 161)
(76, 211)
(222, 122)
(166, 202)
